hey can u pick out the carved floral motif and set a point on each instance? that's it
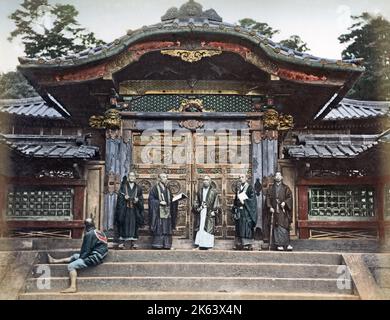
(110, 120)
(191, 124)
(191, 56)
(275, 121)
(174, 186)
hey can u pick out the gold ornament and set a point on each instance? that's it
(271, 119)
(191, 105)
(191, 56)
(286, 122)
(275, 121)
(110, 120)
(96, 122)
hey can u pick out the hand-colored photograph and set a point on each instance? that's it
(211, 150)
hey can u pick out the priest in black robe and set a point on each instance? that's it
(244, 214)
(206, 209)
(162, 214)
(279, 203)
(129, 213)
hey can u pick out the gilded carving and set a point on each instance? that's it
(286, 122)
(96, 122)
(110, 120)
(271, 119)
(275, 121)
(191, 56)
(191, 105)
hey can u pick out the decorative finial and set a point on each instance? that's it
(191, 9)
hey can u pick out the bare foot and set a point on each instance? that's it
(50, 258)
(69, 290)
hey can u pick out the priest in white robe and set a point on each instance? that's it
(206, 209)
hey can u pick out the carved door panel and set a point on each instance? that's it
(200, 155)
(215, 159)
(149, 155)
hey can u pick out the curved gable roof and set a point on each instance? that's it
(191, 18)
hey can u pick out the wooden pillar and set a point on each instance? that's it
(78, 210)
(264, 163)
(112, 176)
(289, 173)
(380, 209)
(94, 194)
(303, 207)
(118, 165)
(3, 200)
(257, 172)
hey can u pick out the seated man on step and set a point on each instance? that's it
(93, 250)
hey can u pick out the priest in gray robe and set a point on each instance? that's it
(206, 209)
(244, 214)
(279, 203)
(162, 214)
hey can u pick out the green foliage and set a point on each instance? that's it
(369, 38)
(260, 27)
(14, 86)
(294, 42)
(50, 31)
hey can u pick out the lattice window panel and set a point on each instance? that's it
(41, 233)
(346, 202)
(387, 201)
(165, 103)
(30, 204)
(343, 234)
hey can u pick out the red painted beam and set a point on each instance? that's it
(338, 224)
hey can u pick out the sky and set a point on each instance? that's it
(319, 23)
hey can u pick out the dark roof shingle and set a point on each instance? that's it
(331, 145)
(30, 107)
(64, 147)
(349, 109)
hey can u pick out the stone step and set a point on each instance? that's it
(186, 296)
(211, 256)
(195, 269)
(382, 276)
(192, 284)
(323, 245)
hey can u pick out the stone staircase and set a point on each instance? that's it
(192, 274)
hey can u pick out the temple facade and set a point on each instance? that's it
(192, 96)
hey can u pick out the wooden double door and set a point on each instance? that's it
(187, 159)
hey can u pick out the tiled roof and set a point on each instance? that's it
(331, 145)
(30, 107)
(349, 109)
(64, 147)
(190, 17)
(385, 137)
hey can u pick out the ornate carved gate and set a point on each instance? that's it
(222, 156)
